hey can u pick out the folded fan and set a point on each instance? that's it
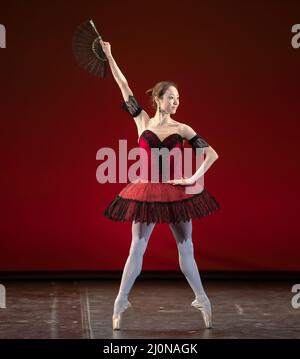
(88, 50)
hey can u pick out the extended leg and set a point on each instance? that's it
(183, 234)
(140, 236)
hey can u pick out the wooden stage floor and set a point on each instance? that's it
(160, 310)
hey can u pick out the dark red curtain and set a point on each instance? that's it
(238, 80)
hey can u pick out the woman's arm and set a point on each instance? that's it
(188, 133)
(117, 73)
(127, 94)
(210, 156)
(209, 160)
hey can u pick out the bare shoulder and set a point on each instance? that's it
(186, 131)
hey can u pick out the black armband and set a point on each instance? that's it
(131, 106)
(198, 142)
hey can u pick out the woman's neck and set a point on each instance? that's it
(161, 118)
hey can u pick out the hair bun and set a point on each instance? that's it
(149, 91)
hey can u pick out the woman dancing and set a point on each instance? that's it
(145, 203)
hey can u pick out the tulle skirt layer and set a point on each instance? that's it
(161, 203)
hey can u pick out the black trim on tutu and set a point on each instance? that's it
(200, 205)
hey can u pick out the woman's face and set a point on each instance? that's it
(170, 100)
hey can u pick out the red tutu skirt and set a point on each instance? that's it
(160, 203)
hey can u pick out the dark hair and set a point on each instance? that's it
(159, 90)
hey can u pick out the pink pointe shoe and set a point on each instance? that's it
(117, 318)
(205, 308)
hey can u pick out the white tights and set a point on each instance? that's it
(140, 236)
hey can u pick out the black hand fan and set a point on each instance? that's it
(88, 50)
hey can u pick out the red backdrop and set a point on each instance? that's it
(238, 79)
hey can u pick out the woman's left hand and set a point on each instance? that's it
(181, 182)
(106, 47)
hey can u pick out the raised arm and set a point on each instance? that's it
(130, 104)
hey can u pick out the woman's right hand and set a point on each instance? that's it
(106, 47)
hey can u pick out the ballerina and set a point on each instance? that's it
(145, 203)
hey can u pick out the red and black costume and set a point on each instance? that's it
(160, 202)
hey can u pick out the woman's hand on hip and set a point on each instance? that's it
(181, 182)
